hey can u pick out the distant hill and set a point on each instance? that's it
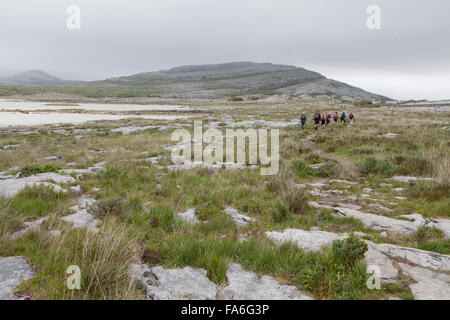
(241, 78)
(210, 81)
(34, 78)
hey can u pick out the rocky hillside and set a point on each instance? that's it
(35, 77)
(227, 80)
(241, 78)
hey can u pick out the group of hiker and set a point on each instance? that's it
(324, 119)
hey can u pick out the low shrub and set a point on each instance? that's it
(279, 210)
(36, 168)
(296, 198)
(328, 170)
(371, 165)
(349, 251)
(107, 207)
(300, 168)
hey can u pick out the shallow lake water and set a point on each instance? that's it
(34, 106)
(12, 119)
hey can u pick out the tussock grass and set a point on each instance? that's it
(104, 259)
(36, 201)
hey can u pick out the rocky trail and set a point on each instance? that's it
(349, 166)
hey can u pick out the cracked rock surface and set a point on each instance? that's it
(82, 218)
(13, 271)
(175, 284)
(246, 285)
(192, 284)
(11, 187)
(238, 218)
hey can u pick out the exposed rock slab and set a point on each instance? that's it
(132, 129)
(175, 284)
(429, 285)
(13, 271)
(378, 222)
(246, 285)
(11, 187)
(389, 135)
(82, 218)
(343, 181)
(421, 258)
(237, 217)
(376, 257)
(407, 179)
(441, 224)
(192, 284)
(52, 158)
(29, 226)
(194, 165)
(317, 165)
(189, 216)
(306, 240)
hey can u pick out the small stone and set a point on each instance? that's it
(75, 189)
(19, 175)
(52, 158)
(238, 218)
(189, 216)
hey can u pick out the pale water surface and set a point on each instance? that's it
(12, 119)
(6, 104)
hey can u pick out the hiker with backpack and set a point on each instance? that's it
(317, 117)
(343, 116)
(303, 120)
(336, 117)
(328, 119)
(351, 117)
(324, 118)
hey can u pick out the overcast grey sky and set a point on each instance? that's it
(409, 57)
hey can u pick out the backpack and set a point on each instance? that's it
(304, 117)
(316, 116)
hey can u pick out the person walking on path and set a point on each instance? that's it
(317, 119)
(335, 117)
(303, 120)
(328, 119)
(324, 118)
(351, 117)
(343, 116)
